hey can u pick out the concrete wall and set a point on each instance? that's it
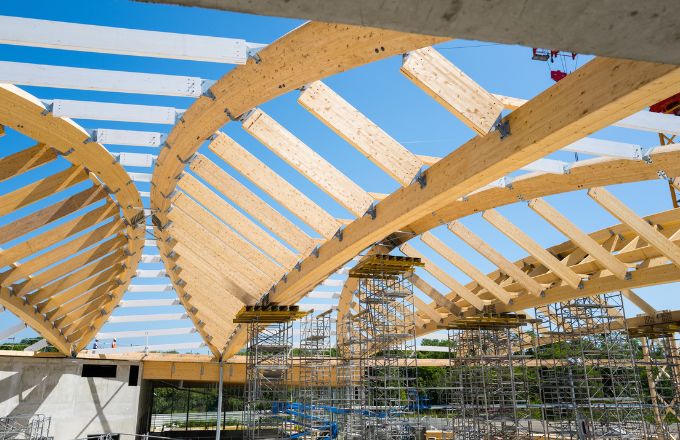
(78, 405)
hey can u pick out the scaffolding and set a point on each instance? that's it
(380, 368)
(661, 361)
(488, 379)
(313, 408)
(588, 381)
(269, 361)
(25, 427)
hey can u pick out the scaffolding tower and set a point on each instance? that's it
(661, 361)
(382, 346)
(25, 427)
(269, 361)
(587, 376)
(313, 407)
(488, 379)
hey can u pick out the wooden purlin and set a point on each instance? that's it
(359, 131)
(27, 115)
(252, 204)
(228, 278)
(52, 213)
(31, 318)
(495, 257)
(308, 162)
(627, 216)
(633, 297)
(23, 270)
(440, 300)
(37, 191)
(57, 234)
(457, 288)
(74, 290)
(309, 53)
(652, 270)
(113, 244)
(453, 89)
(47, 292)
(194, 275)
(237, 221)
(25, 160)
(274, 185)
(187, 229)
(223, 233)
(134, 246)
(466, 267)
(536, 250)
(602, 92)
(578, 237)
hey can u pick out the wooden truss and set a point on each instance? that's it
(224, 247)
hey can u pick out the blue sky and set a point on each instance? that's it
(378, 90)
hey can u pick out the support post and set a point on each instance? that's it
(218, 429)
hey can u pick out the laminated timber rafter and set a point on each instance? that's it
(117, 217)
(484, 159)
(207, 249)
(274, 185)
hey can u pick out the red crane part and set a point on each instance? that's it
(669, 105)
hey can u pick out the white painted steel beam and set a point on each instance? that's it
(127, 304)
(432, 348)
(135, 159)
(654, 122)
(147, 318)
(323, 295)
(602, 147)
(140, 177)
(151, 273)
(548, 166)
(103, 39)
(150, 243)
(150, 288)
(128, 137)
(37, 346)
(11, 331)
(143, 333)
(111, 111)
(151, 258)
(145, 194)
(333, 283)
(156, 347)
(62, 77)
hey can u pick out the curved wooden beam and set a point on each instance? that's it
(309, 53)
(29, 116)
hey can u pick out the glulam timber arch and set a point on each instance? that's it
(69, 301)
(597, 95)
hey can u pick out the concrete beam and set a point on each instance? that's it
(581, 26)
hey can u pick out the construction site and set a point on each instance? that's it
(359, 220)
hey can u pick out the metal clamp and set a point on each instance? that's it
(502, 127)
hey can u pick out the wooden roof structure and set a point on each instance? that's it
(224, 247)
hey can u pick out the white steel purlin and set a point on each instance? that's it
(154, 347)
(111, 111)
(37, 346)
(150, 288)
(654, 122)
(148, 303)
(142, 333)
(62, 77)
(603, 147)
(147, 318)
(11, 331)
(128, 137)
(120, 41)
